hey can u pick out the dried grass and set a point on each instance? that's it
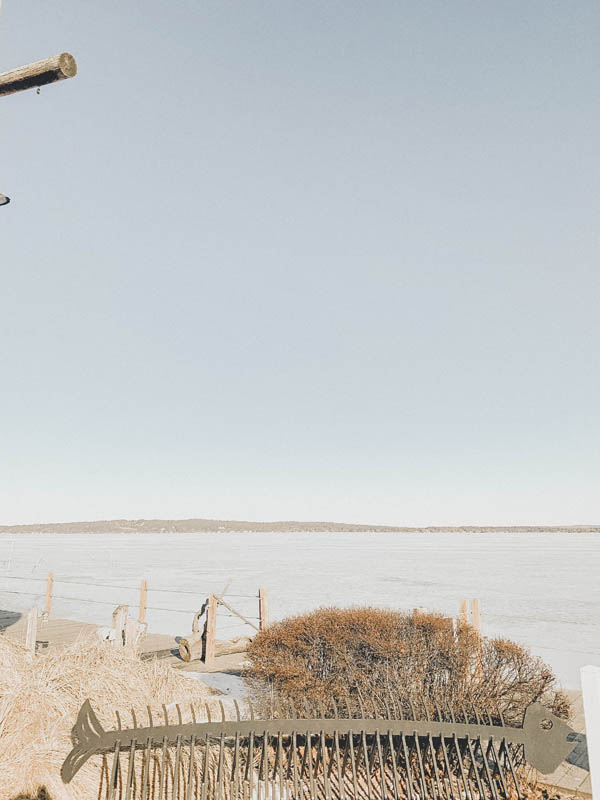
(40, 699)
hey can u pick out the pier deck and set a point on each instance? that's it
(53, 633)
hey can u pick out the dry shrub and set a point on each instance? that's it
(40, 699)
(358, 653)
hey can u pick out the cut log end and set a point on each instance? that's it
(190, 649)
(184, 650)
(68, 65)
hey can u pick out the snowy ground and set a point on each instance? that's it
(541, 589)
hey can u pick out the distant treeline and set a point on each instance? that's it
(230, 526)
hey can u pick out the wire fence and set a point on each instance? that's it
(44, 593)
(222, 613)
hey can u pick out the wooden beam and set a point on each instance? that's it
(57, 68)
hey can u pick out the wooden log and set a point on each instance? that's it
(263, 609)
(143, 601)
(210, 631)
(238, 645)
(31, 634)
(192, 647)
(57, 68)
(48, 603)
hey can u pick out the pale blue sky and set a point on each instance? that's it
(302, 260)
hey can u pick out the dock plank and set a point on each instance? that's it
(55, 633)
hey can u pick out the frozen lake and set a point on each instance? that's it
(541, 589)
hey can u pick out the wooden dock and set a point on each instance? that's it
(55, 633)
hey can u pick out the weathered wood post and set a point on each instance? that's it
(476, 623)
(263, 609)
(48, 603)
(143, 601)
(463, 613)
(31, 634)
(210, 631)
(120, 615)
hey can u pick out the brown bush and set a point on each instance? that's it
(353, 654)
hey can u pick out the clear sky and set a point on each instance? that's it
(302, 260)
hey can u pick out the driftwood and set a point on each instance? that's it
(134, 633)
(191, 648)
(198, 616)
(128, 632)
(202, 643)
(57, 68)
(237, 645)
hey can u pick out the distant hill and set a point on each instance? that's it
(225, 526)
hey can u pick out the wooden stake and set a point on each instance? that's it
(41, 73)
(49, 585)
(210, 631)
(263, 609)
(31, 635)
(143, 601)
(463, 613)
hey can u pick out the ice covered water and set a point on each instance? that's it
(540, 589)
